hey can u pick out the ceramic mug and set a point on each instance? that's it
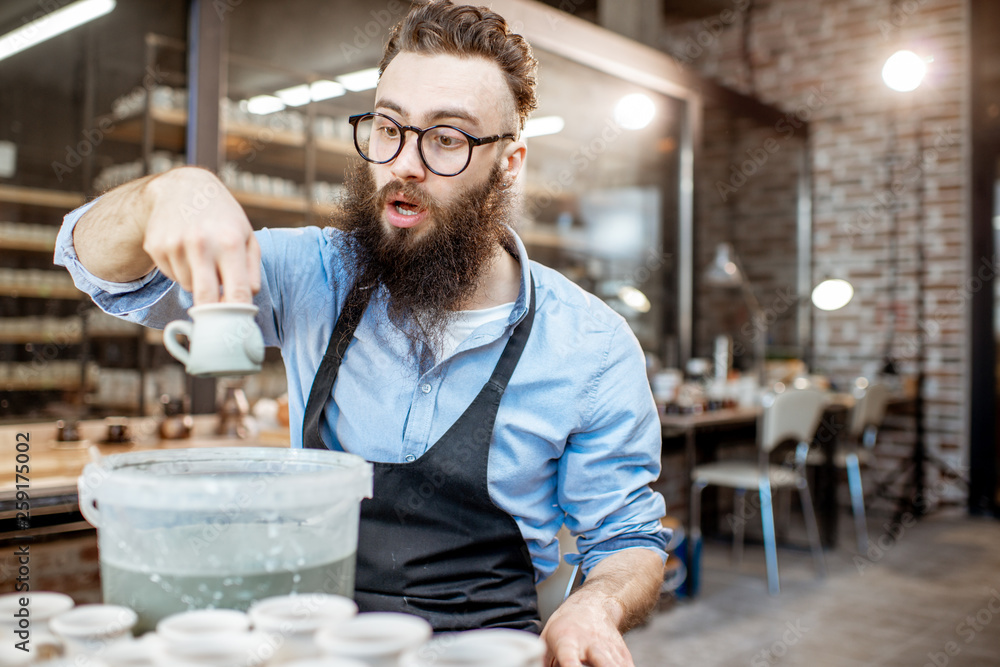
(223, 339)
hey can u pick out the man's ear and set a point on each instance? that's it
(512, 160)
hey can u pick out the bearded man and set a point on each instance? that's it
(517, 399)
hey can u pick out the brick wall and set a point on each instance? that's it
(746, 195)
(866, 159)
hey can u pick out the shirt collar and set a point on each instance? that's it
(521, 305)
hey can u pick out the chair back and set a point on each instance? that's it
(869, 409)
(793, 414)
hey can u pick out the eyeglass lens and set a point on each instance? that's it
(445, 149)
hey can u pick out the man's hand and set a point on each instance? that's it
(584, 631)
(199, 236)
(184, 222)
(587, 628)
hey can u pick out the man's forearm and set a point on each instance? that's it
(108, 238)
(626, 585)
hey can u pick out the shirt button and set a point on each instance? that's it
(426, 388)
(410, 458)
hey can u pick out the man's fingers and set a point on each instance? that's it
(568, 655)
(600, 656)
(235, 275)
(180, 270)
(205, 288)
(253, 263)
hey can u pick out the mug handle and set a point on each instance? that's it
(170, 340)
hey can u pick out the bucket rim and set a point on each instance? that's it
(116, 478)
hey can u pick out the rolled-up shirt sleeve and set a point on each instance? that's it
(155, 300)
(606, 470)
(132, 300)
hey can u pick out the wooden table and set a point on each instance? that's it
(53, 467)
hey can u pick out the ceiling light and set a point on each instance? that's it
(537, 127)
(324, 90)
(52, 24)
(635, 111)
(832, 294)
(903, 71)
(264, 104)
(365, 79)
(634, 298)
(295, 96)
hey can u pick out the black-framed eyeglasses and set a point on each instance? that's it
(445, 150)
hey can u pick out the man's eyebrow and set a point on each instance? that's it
(439, 114)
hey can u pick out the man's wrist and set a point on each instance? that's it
(611, 606)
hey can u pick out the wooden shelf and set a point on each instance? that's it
(43, 384)
(241, 139)
(18, 236)
(169, 129)
(64, 331)
(42, 291)
(16, 194)
(285, 204)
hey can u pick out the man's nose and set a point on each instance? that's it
(408, 166)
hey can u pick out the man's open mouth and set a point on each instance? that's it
(405, 207)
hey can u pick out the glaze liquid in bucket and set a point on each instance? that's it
(221, 528)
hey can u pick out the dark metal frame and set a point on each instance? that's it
(578, 40)
(984, 144)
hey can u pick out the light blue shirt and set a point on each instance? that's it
(577, 438)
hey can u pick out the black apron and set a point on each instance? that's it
(431, 542)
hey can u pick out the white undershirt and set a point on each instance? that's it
(467, 321)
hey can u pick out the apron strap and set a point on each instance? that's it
(515, 346)
(354, 308)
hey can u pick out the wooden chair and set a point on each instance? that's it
(791, 415)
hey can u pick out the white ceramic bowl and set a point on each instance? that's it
(296, 618)
(379, 638)
(42, 606)
(326, 662)
(490, 647)
(188, 625)
(298, 614)
(236, 649)
(91, 628)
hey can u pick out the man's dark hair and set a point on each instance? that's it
(441, 27)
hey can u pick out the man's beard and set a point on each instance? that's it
(429, 273)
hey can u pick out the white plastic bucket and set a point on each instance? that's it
(190, 529)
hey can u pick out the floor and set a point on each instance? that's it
(930, 597)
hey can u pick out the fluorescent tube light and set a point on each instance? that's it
(318, 91)
(324, 90)
(537, 127)
(52, 24)
(365, 79)
(264, 104)
(295, 96)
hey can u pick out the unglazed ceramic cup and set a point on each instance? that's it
(223, 340)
